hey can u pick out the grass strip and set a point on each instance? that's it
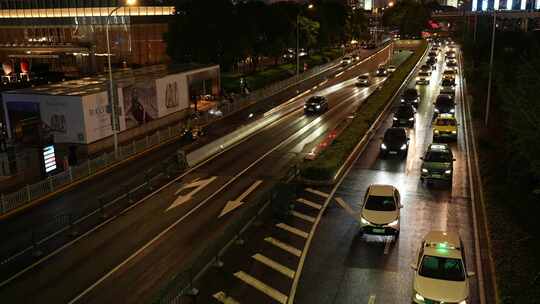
(330, 160)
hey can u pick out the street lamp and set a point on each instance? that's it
(310, 6)
(111, 93)
(488, 100)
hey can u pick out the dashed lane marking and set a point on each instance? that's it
(283, 246)
(371, 299)
(304, 217)
(260, 286)
(274, 265)
(293, 230)
(319, 193)
(309, 203)
(223, 298)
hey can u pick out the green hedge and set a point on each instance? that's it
(330, 160)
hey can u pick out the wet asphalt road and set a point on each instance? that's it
(344, 267)
(144, 247)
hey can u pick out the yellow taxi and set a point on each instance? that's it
(445, 126)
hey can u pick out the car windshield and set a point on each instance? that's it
(363, 77)
(449, 73)
(447, 83)
(410, 94)
(438, 157)
(395, 134)
(423, 74)
(314, 100)
(405, 111)
(444, 102)
(445, 122)
(380, 203)
(442, 268)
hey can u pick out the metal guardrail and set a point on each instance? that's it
(24, 196)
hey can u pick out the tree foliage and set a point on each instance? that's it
(410, 17)
(220, 31)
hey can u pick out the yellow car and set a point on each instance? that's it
(445, 126)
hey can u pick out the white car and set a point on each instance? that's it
(346, 60)
(380, 213)
(363, 80)
(440, 271)
(449, 74)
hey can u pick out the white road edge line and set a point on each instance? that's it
(478, 260)
(333, 192)
(181, 219)
(262, 287)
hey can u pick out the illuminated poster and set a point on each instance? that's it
(49, 158)
(140, 104)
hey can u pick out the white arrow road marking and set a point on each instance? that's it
(347, 208)
(197, 184)
(372, 299)
(232, 205)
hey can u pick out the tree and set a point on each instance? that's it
(410, 17)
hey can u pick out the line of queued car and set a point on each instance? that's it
(440, 269)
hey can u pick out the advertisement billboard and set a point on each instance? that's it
(97, 119)
(172, 94)
(139, 103)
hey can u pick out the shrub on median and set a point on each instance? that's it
(325, 166)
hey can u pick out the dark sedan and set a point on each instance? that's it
(404, 116)
(395, 142)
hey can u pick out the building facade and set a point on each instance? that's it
(68, 36)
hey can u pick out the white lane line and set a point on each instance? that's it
(372, 299)
(319, 193)
(347, 208)
(284, 270)
(291, 138)
(309, 203)
(260, 286)
(302, 216)
(293, 230)
(283, 246)
(387, 243)
(223, 298)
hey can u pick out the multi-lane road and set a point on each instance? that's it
(131, 256)
(345, 267)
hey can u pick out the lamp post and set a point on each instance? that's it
(488, 100)
(310, 6)
(111, 87)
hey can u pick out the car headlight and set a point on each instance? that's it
(452, 110)
(436, 131)
(364, 221)
(424, 170)
(318, 106)
(436, 110)
(411, 119)
(402, 100)
(395, 118)
(383, 146)
(403, 147)
(448, 172)
(394, 223)
(454, 132)
(463, 302)
(418, 297)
